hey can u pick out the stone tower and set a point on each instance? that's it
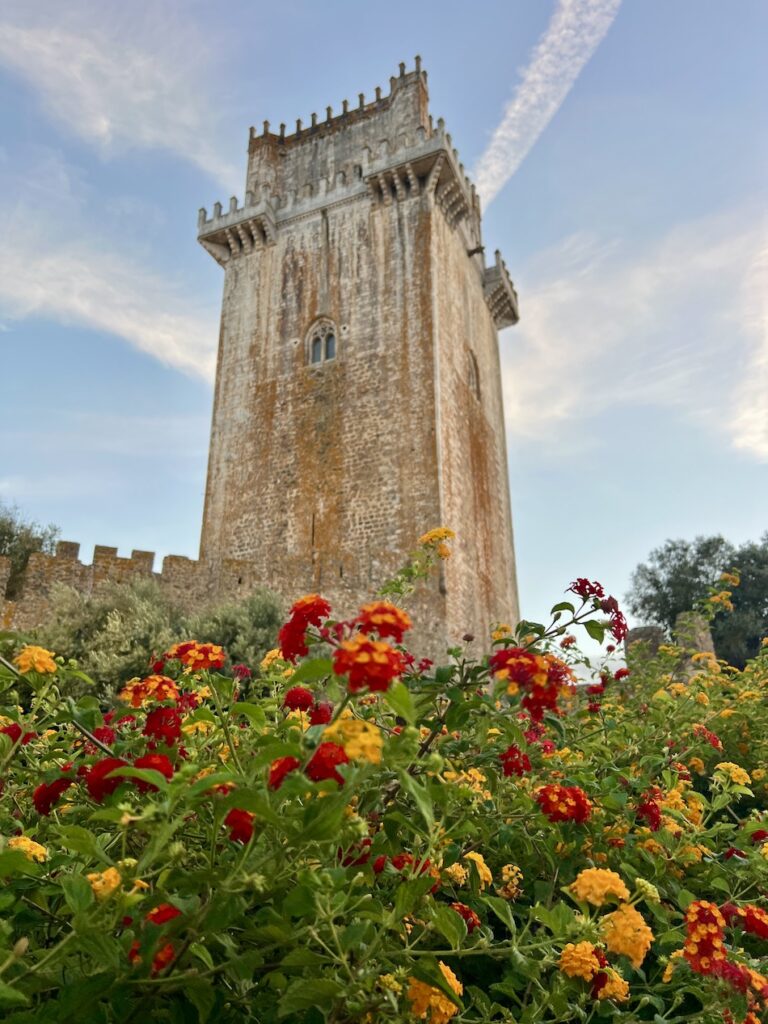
(358, 397)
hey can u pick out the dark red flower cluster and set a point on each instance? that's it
(749, 918)
(321, 713)
(406, 863)
(156, 763)
(308, 611)
(649, 809)
(104, 734)
(585, 588)
(564, 803)
(48, 794)
(759, 835)
(703, 733)
(14, 733)
(163, 913)
(618, 624)
(621, 673)
(280, 768)
(371, 664)
(241, 672)
(414, 668)
(384, 618)
(514, 761)
(567, 641)
(324, 762)
(96, 781)
(541, 676)
(163, 723)
(298, 698)
(357, 854)
(470, 917)
(600, 980)
(240, 825)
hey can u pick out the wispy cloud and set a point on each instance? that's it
(575, 30)
(119, 79)
(671, 324)
(749, 424)
(98, 289)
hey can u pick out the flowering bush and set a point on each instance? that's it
(355, 836)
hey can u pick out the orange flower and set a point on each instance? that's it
(384, 618)
(596, 885)
(625, 932)
(371, 663)
(197, 657)
(153, 688)
(430, 1003)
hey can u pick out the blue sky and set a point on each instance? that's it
(621, 151)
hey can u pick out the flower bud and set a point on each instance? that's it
(21, 947)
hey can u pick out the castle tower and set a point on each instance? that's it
(358, 395)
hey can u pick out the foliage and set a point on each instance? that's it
(113, 632)
(19, 538)
(677, 576)
(369, 838)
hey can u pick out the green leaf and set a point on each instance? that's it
(82, 840)
(300, 902)
(202, 996)
(501, 909)
(307, 993)
(13, 862)
(200, 951)
(399, 699)
(450, 924)
(77, 892)
(300, 957)
(420, 797)
(563, 606)
(11, 996)
(149, 775)
(595, 629)
(312, 670)
(254, 714)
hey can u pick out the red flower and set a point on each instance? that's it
(307, 611)
(280, 768)
(161, 959)
(13, 731)
(759, 835)
(298, 699)
(710, 737)
(620, 673)
(163, 913)
(734, 851)
(359, 853)
(567, 641)
(240, 824)
(593, 707)
(649, 809)
(241, 672)
(471, 918)
(99, 786)
(384, 618)
(585, 589)
(367, 663)
(323, 763)
(750, 918)
(188, 701)
(514, 761)
(163, 723)
(321, 713)
(48, 794)
(704, 930)
(157, 763)
(618, 624)
(564, 803)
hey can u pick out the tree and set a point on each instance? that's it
(19, 538)
(679, 573)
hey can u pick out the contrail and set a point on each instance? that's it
(575, 30)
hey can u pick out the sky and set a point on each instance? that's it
(621, 154)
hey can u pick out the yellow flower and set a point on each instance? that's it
(702, 698)
(597, 885)
(271, 656)
(456, 874)
(430, 1003)
(30, 849)
(734, 772)
(511, 877)
(579, 961)
(669, 970)
(501, 631)
(473, 778)
(697, 764)
(35, 659)
(361, 740)
(486, 878)
(614, 988)
(104, 883)
(626, 932)
(763, 851)
(390, 982)
(439, 533)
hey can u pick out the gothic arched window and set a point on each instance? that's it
(321, 342)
